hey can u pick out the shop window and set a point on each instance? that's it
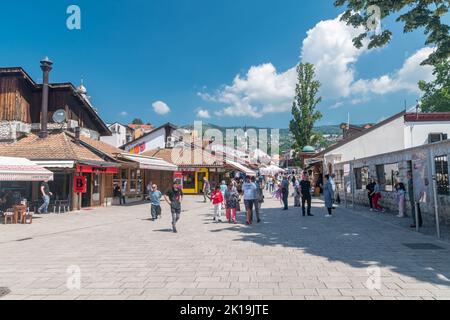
(441, 165)
(189, 180)
(361, 178)
(358, 180)
(391, 174)
(380, 174)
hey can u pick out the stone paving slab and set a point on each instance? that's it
(120, 254)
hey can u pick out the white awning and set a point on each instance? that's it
(241, 168)
(67, 164)
(151, 163)
(21, 169)
(271, 170)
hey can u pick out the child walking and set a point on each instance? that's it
(217, 200)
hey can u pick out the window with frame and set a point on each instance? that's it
(442, 181)
(380, 174)
(358, 178)
(391, 174)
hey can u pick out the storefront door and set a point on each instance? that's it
(86, 197)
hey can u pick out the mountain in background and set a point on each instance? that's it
(286, 138)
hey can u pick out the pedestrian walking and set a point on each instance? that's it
(249, 190)
(297, 194)
(206, 189)
(217, 201)
(223, 188)
(328, 196)
(231, 203)
(259, 200)
(413, 203)
(155, 201)
(46, 194)
(401, 197)
(285, 192)
(376, 197)
(370, 189)
(305, 190)
(174, 197)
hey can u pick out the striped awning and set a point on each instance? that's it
(21, 169)
(241, 168)
(151, 163)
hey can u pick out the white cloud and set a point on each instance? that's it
(160, 107)
(123, 114)
(337, 105)
(329, 46)
(203, 113)
(406, 78)
(262, 90)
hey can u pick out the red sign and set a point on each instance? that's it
(79, 184)
(93, 169)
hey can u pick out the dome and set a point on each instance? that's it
(308, 149)
(82, 89)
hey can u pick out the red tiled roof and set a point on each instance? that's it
(198, 157)
(57, 146)
(423, 117)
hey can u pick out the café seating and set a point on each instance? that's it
(27, 214)
(8, 215)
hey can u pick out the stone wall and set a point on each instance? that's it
(402, 158)
(10, 131)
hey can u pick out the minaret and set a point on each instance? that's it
(46, 67)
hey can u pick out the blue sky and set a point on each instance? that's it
(185, 55)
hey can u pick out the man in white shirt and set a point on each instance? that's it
(249, 190)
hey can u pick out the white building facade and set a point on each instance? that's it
(401, 131)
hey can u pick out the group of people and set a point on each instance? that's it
(228, 197)
(374, 195)
(302, 192)
(174, 197)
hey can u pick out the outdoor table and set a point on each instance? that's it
(19, 210)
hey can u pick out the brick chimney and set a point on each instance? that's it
(46, 66)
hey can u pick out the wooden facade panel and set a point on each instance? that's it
(15, 100)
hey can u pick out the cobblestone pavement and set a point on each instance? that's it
(121, 254)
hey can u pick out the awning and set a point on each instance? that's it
(21, 169)
(151, 163)
(271, 170)
(241, 168)
(66, 164)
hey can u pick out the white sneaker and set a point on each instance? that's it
(328, 216)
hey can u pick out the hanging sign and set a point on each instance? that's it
(79, 184)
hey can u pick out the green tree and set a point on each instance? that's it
(415, 14)
(436, 96)
(304, 107)
(137, 121)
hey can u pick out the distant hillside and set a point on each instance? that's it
(286, 138)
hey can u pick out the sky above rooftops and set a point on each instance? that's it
(225, 62)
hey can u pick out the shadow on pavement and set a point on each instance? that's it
(349, 238)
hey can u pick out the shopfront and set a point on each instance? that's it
(99, 184)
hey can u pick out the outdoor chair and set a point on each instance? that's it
(8, 214)
(27, 215)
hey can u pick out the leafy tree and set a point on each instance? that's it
(436, 96)
(414, 14)
(137, 121)
(304, 106)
